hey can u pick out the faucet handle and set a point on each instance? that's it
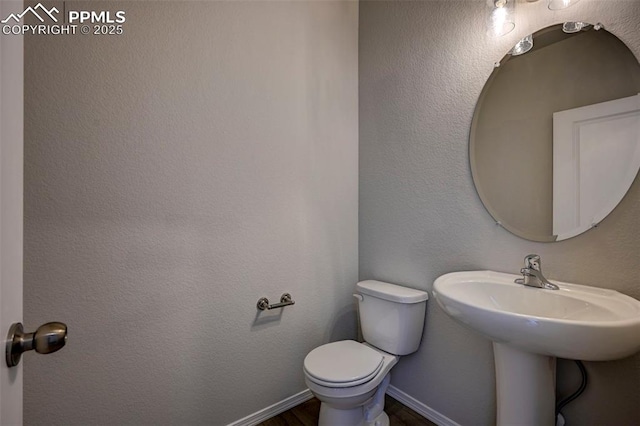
(533, 261)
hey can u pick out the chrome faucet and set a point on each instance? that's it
(532, 274)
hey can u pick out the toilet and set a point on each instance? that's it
(350, 378)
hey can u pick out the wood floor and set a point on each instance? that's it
(306, 414)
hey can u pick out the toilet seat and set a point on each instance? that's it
(342, 364)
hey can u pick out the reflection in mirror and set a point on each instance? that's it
(555, 137)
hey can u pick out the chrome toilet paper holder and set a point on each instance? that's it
(285, 300)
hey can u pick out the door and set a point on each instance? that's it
(11, 153)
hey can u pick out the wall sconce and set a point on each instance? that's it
(500, 17)
(561, 4)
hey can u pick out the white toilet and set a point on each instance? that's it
(350, 378)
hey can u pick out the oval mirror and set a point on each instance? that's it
(555, 138)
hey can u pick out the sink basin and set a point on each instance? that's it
(575, 322)
(530, 327)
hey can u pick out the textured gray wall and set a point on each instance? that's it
(422, 66)
(174, 175)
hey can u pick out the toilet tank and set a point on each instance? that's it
(391, 316)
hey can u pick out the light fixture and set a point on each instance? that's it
(561, 4)
(501, 20)
(523, 46)
(501, 14)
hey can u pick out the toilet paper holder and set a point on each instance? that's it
(285, 300)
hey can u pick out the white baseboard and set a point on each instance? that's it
(297, 399)
(274, 410)
(420, 408)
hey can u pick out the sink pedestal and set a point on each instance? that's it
(526, 387)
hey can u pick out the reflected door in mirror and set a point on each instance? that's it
(596, 156)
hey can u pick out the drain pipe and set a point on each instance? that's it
(560, 420)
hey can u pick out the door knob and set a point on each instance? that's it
(48, 338)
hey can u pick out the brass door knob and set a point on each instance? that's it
(48, 338)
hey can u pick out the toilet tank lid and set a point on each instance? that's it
(392, 292)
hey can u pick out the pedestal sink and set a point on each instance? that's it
(530, 327)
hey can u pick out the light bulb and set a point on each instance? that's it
(573, 27)
(500, 19)
(523, 46)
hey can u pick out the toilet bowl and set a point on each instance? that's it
(350, 378)
(352, 394)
